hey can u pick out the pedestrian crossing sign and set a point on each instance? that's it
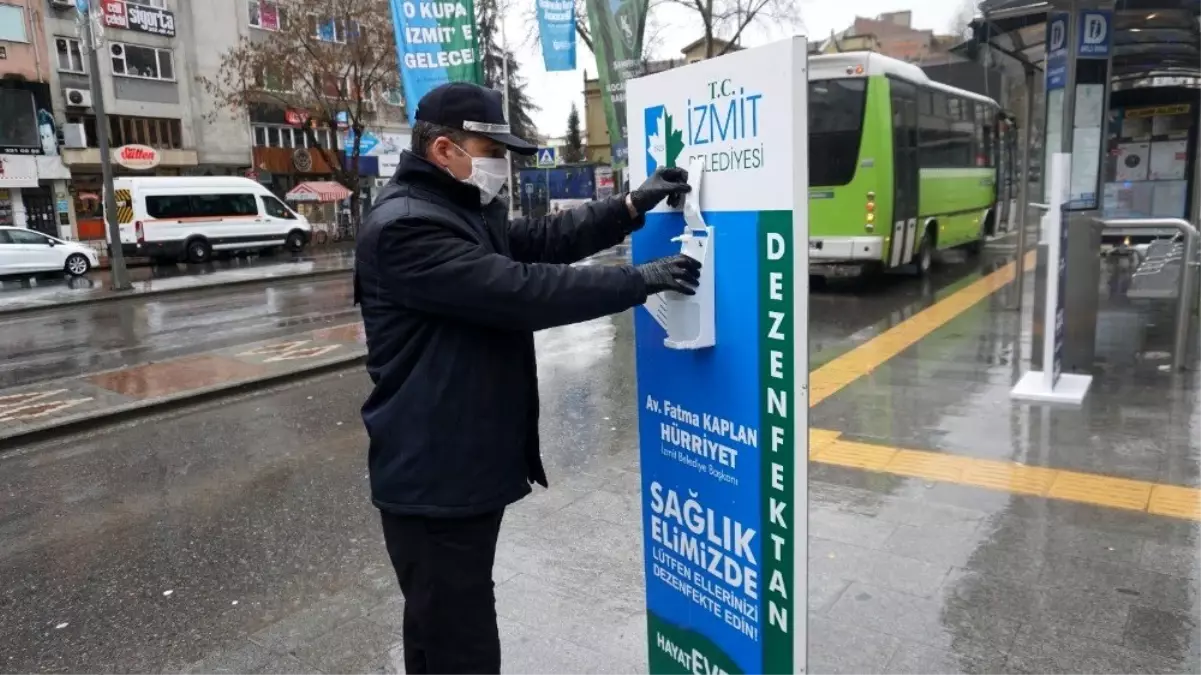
(547, 157)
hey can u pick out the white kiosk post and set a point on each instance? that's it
(722, 375)
(1051, 385)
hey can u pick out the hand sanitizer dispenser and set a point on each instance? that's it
(689, 319)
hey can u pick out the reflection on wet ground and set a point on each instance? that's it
(262, 502)
(89, 337)
(1013, 582)
(100, 336)
(147, 272)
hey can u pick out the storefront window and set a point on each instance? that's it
(6, 208)
(20, 127)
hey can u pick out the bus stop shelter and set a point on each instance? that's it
(1145, 83)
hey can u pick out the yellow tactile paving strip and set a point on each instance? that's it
(865, 358)
(827, 447)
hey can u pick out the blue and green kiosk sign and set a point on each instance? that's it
(722, 375)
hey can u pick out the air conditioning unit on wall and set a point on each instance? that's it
(74, 136)
(78, 98)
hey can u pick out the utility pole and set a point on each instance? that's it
(91, 42)
(514, 195)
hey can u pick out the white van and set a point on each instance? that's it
(191, 217)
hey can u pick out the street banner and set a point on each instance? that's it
(556, 27)
(436, 43)
(722, 376)
(617, 27)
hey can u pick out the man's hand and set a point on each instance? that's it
(669, 183)
(678, 273)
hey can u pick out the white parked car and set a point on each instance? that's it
(25, 251)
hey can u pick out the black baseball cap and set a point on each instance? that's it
(471, 108)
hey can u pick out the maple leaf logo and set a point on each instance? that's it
(656, 145)
(675, 140)
(664, 142)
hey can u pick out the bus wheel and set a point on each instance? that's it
(924, 261)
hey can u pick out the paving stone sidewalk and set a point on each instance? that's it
(902, 579)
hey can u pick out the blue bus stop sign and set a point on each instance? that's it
(1095, 34)
(1057, 51)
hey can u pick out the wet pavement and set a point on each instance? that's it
(950, 530)
(84, 339)
(48, 291)
(26, 410)
(65, 341)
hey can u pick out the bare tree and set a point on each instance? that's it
(721, 18)
(652, 34)
(961, 23)
(332, 59)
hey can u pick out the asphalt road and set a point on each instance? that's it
(144, 546)
(92, 337)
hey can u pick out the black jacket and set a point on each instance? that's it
(451, 295)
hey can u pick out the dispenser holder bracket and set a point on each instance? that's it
(690, 319)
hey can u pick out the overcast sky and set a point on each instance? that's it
(555, 92)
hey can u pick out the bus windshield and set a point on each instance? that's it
(835, 127)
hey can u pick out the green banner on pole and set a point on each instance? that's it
(617, 27)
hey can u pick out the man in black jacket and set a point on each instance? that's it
(451, 293)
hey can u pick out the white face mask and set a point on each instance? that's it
(489, 174)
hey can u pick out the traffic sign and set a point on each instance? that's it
(1096, 35)
(547, 157)
(1057, 51)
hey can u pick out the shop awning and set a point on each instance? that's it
(318, 191)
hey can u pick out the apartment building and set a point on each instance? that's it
(161, 121)
(33, 178)
(280, 156)
(147, 84)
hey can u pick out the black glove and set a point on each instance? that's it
(668, 183)
(677, 273)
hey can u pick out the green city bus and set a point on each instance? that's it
(900, 166)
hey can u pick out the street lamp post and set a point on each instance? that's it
(504, 56)
(91, 42)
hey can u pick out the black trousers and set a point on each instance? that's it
(444, 566)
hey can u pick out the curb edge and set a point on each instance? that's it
(138, 409)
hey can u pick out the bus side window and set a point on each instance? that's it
(942, 105)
